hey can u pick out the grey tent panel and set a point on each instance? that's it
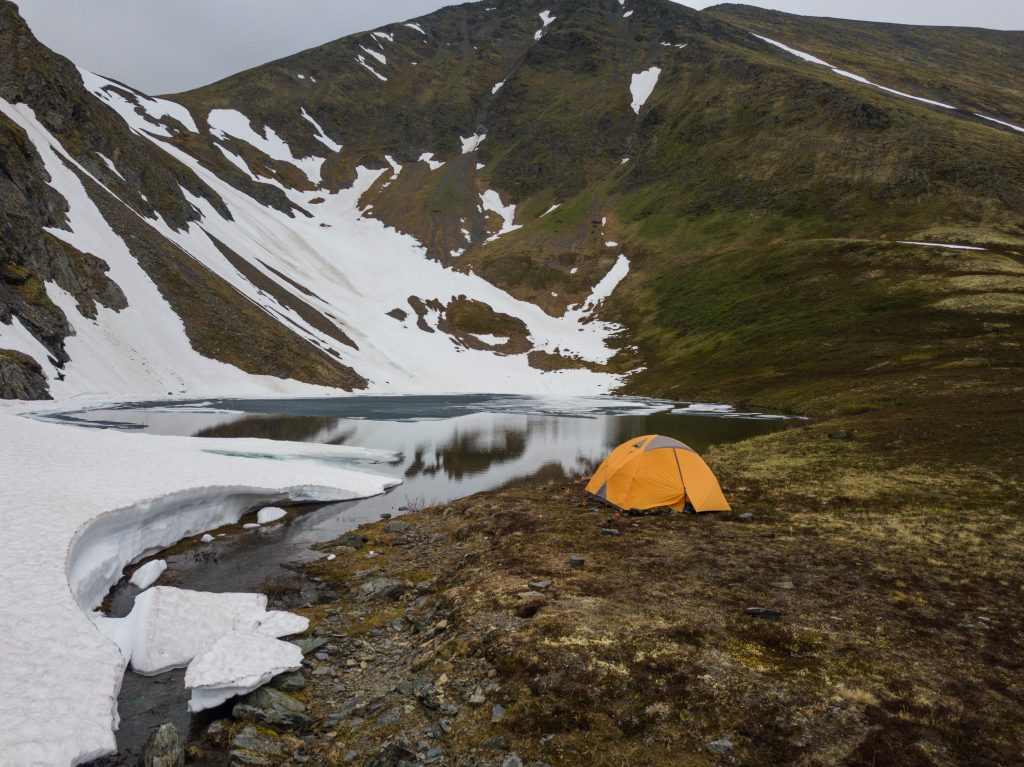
(603, 491)
(660, 442)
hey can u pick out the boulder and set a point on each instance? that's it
(165, 748)
(272, 707)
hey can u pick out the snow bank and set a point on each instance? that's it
(642, 86)
(231, 122)
(67, 538)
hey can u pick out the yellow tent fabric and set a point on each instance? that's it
(653, 471)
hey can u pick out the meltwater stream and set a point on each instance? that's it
(450, 447)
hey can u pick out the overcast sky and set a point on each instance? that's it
(164, 46)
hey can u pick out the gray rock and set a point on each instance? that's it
(764, 612)
(390, 717)
(576, 561)
(255, 750)
(396, 526)
(497, 713)
(392, 755)
(380, 588)
(309, 644)
(477, 700)
(386, 515)
(498, 743)
(610, 531)
(840, 434)
(512, 760)
(783, 585)
(292, 681)
(722, 746)
(746, 517)
(165, 748)
(219, 733)
(540, 585)
(272, 707)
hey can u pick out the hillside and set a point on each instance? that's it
(813, 216)
(748, 198)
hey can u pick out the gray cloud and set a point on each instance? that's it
(165, 46)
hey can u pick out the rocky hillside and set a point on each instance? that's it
(554, 195)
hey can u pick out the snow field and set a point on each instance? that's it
(118, 497)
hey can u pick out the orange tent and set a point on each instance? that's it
(653, 471)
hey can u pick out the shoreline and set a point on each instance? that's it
(649, 652)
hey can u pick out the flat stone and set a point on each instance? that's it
(390, 717)
(783, 585)
(539, 585)
(254, 750)
(396, 526)
(309, 644)
(610, 531)
(292, 681)
(763, 612)
(272, 707)
(840, 434)
(576, 561)
(722, 746)
(746, 517)
(497, 713)
(380, 588)
(512, 760)
(477, 699)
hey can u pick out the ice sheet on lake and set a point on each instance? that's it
(118, 496)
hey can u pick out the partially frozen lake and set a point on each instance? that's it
(449, 446)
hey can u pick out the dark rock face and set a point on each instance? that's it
(21, 377)
(165, 748)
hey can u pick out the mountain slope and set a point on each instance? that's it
(734, 208)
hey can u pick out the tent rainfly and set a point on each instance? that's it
(653, 471)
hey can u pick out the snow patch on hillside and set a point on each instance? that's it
(319, 133)
(112, 94)
(231, 122)
(850, 75)
(491, 201)
(472, 143)
(642, 86)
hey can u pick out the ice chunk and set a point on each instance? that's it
(278, 623)
(169, 626)
(148, 574)
(270, 514)
(235, 664)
